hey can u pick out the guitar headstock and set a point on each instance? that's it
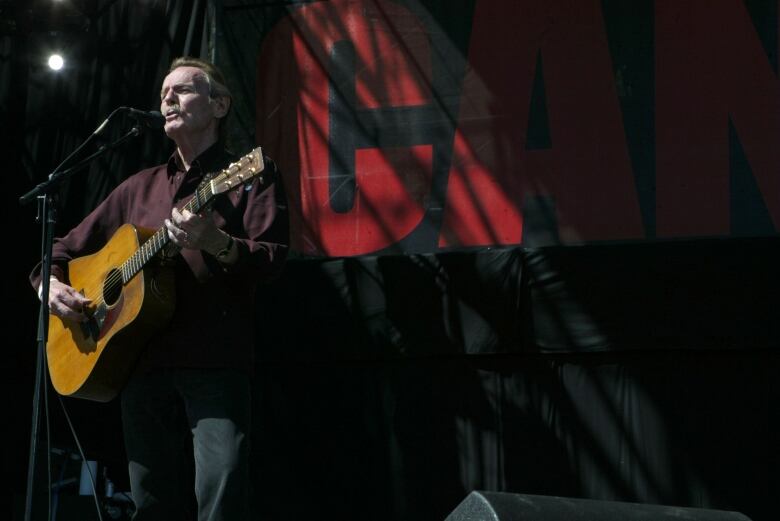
(242, 171)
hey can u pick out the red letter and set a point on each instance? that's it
(328, 66)
(711, 69)
(586, 172)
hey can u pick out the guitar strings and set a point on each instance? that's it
(117, 275)
(110, 283)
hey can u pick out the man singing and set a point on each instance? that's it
(189, 395)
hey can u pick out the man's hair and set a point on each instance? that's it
(214, 79)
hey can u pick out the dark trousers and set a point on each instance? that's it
(173, 417)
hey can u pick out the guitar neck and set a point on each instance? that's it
(160, 239)
(242, 171)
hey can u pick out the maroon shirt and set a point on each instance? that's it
(213, 324)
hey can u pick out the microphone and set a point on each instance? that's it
(152, 118)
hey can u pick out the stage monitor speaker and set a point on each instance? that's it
(503, 506)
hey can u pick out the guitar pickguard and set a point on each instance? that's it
(102, 319)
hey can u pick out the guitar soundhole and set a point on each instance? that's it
(112, 287)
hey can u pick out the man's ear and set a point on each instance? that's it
(221, 106)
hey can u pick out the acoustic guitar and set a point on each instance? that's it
(131, 299)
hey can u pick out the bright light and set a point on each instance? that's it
(56, 62)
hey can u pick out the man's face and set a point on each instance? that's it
(184, 101)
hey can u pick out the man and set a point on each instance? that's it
(194, 375)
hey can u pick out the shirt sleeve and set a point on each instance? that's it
(260, 228)
(87, 237)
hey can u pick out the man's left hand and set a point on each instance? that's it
(193, 231)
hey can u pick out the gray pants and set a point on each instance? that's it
(174, 416)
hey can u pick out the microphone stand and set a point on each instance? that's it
(48, 219)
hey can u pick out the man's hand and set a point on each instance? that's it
(66, 302)
(189, 230)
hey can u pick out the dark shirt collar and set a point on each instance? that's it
(213, 159)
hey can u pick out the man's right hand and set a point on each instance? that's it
(66, 302)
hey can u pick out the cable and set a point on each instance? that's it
(83, 458)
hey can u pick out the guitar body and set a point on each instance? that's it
(94, 359)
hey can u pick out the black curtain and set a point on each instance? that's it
(389, 387)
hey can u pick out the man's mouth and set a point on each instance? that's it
(171, 114)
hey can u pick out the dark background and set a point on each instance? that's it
(389, 386)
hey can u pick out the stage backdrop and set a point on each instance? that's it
(412, 126)
(405, 359)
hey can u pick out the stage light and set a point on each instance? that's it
(56, 62)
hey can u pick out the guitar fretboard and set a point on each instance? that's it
(160, 239)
